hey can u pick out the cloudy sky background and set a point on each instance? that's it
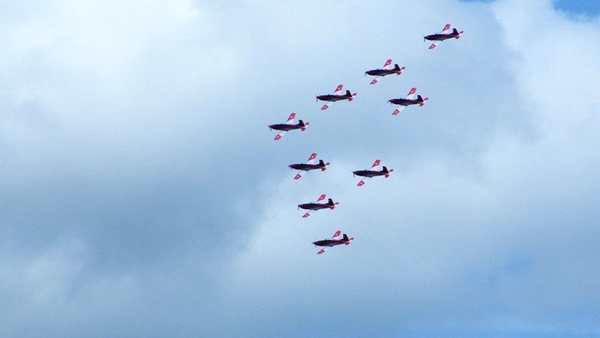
(142, 194)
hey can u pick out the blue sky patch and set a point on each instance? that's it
(587, 7)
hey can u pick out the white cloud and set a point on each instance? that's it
(141, 130)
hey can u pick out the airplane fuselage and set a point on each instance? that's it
(369, 173)
(286, 127)
(306, 167)
(381, 72)
(331, 242)
(404, 102)
(440, 37)
(333, 98)
(314, 206)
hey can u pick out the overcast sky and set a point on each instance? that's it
(142, 194)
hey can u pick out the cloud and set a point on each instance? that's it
(143, 194)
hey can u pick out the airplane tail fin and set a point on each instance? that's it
(396, 67)
(303, 125)
(387, 172)
(347, 240)
(331, 204)
(323, 165)
(419, 98)
(348, 94)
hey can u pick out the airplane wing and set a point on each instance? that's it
(375, 164)
(388, 64)
(321, 198)
(338, 89)
(311, 160)
(290, 120)
(446, 29)
(398, 110)
(373, 167)
(410, 96)
(336, 235)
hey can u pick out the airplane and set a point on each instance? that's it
(372, 172)
(444, 35)
(289, 125)
(328, 243)
(337, 96)
(310, 165)
(408, 101)
(317, 206)
(387, 70)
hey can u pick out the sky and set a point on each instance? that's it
(143, 194)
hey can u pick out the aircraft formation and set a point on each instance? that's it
(341, 95)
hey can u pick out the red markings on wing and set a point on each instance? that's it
(312, 156)
(322, 197)
(373, 82)
(339, 88)
(337, 234)
(297, 177)
(322, 251)
(412, 91)
(278, 137)
(432, 46)
(376, 163)
(360, 184)
(387, 63)
(396, 112)
(292, 117)
(324, 107)
(447, 27)
(306, 215)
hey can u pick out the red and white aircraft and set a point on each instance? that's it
(328, 243)
(289, 125)
(310, 165)
(444, 35)
(317, 206)
(387, 70)
(337, 96)
(408, 101)
(373, 172)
